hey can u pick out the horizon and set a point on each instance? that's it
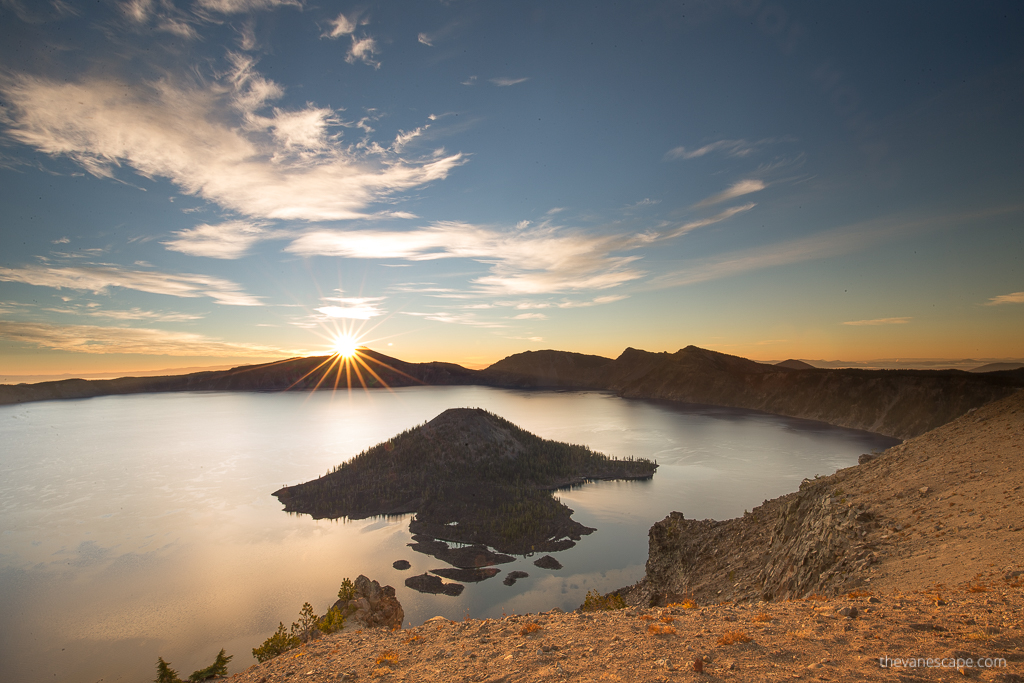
(213, 183)
(965, 364)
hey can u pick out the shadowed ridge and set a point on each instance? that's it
(794, 364)
(548, 369)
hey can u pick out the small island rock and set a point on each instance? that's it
(548, 562)
(401, 564)
(425, 583)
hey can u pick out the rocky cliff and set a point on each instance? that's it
(943, 507)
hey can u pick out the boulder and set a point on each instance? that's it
(374, 606)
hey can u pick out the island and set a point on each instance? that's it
(472, 478)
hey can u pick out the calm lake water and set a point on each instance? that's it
(133, 527)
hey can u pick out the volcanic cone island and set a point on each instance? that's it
(470, 477)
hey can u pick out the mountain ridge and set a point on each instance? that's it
(897, 403)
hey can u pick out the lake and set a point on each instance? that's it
(140, 526)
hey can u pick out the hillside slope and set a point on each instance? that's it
(942, 508)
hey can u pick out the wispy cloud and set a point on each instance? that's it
(457, 319)
(1014, 298)
(732, 148)
(711, 220)
(530, 316)
(98, 279)
(219, 140)
(130, 314)
(425, 39)
(737, 189)
(537, 260)
(96, 339)
(356, 308)
(243, 6)
(879, 321)
(340, 26)
(469, 81)
(363, 50)
(504, 82)
(229, 240)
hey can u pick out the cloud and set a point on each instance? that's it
(242, 6)
(503, 82)
(530, 316)
(131, 314)
(363, 50)
(357, 308)
(98, 279)
(425, 39)
(469, 81)
(732, 148)
(879, 321)
(340, 26)
(229, 240)
(457, 319)
(219, 141)
(737, 189)
(717, 218)
(537, 260)
(1015, 298)
(96, 339)
(38, 12)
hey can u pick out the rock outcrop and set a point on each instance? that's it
(922, 503)
(374, 606)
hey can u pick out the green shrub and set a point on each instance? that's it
(164, 672)
(218, 668)
(281, 641)
(333, 621)
(595, 602)
(347, 591)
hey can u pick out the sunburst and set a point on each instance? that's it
(345, 345)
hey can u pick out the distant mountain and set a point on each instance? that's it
(471, 477)
(794, 364)
(898, 403)
(998, 367)
(294, 374)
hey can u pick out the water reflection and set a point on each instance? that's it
(138, 526)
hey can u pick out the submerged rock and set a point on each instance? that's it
(401, 564)
(469, 557)
(511, 578)
(467, 575)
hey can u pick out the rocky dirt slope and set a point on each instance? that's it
(909, 567)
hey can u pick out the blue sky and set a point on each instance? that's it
(221, 181)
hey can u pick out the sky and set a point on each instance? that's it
(192, 183)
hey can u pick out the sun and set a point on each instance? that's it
(345, 346)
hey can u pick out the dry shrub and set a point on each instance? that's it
(685, 604)
(667, 618)
(532, 627)
(387, 658)
(412, 639)
(661, 629)
(647, 617)
(762, 617)
(733, 637)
